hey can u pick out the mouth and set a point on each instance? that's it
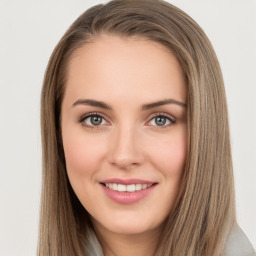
(127, 188)
(127, 191)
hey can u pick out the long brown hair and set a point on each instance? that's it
(204, 212)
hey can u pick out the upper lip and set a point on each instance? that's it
(128, 181)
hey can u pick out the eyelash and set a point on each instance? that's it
(83, 118)
(165, 115)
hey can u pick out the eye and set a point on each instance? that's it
(93, 120)
(161, 120)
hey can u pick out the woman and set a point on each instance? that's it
(136, 150)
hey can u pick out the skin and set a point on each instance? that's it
(125, 74)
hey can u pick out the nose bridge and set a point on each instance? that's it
(125, 149)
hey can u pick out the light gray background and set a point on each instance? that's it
(29, 30)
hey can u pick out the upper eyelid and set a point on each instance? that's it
(162, 114)
(94, 114)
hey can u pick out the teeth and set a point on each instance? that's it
(121, 188)
(130, 188)
(127, 188)
(138, 187)
(144, 186)
(114, 186)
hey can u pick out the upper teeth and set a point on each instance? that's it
(127, 188)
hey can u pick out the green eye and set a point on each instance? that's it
(161, 120)
(93, 120)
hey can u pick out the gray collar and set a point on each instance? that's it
(237, 244)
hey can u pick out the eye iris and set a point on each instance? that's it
(160, 120)
(96, 120)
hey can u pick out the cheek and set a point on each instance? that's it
(170, 155)
(174, 156)
(82, 153)
(83, 156)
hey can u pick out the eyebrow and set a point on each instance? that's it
(100, 104)
(94, 103)
(161, 103)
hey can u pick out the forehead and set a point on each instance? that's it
(111, 67)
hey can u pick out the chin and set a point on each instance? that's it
(126, 226)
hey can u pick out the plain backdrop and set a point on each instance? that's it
(29, 30)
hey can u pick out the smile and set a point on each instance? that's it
(127, 191)
(127, 188)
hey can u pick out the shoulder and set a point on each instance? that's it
(238, 244)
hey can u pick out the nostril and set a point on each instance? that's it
(124, 164)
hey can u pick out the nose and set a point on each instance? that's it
(125, 150)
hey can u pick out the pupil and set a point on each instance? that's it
(160, 121)
(96, 120)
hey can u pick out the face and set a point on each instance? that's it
(123, 120)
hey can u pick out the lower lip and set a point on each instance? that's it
(127, 197)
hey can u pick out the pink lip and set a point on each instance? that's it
(128, 181)
(127, 197)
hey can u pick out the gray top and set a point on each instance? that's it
(237, 245)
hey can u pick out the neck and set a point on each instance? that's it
(114, 244)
